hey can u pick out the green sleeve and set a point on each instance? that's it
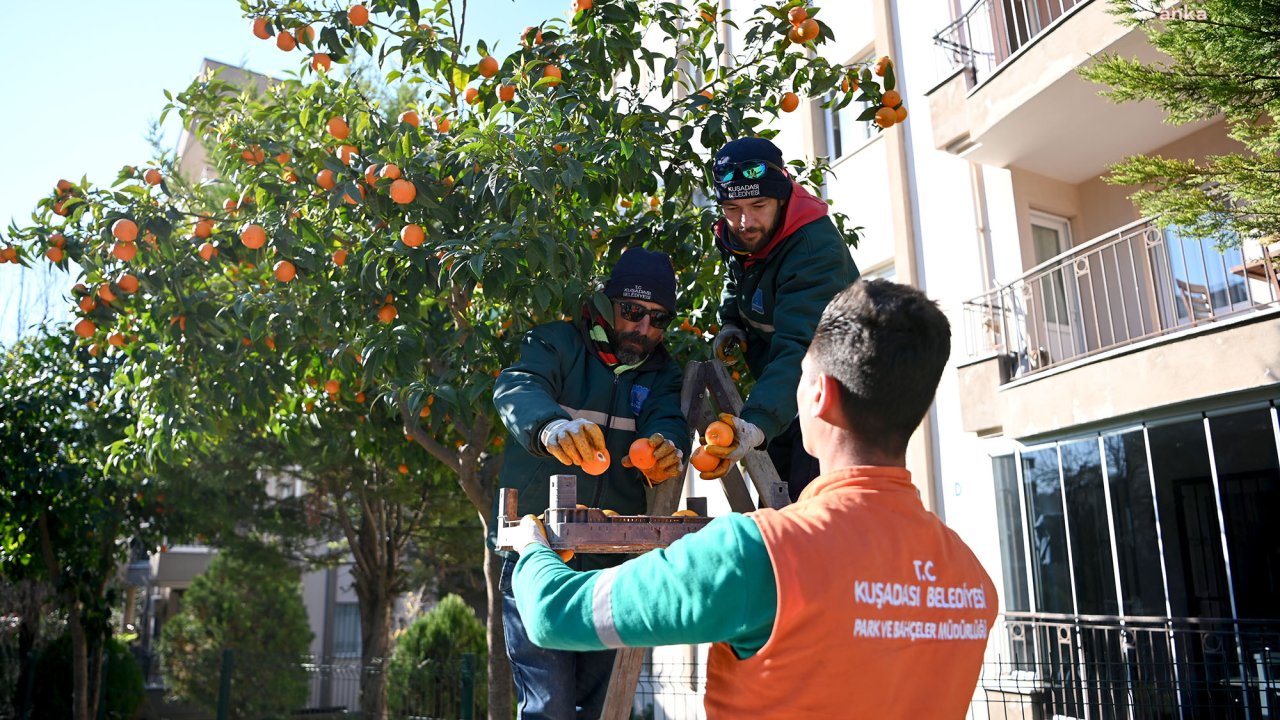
(525, 393)
(800, 297)
(728, 298)
(716, 585)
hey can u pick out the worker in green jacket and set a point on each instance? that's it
(578, 389)
(784, 261)
(854, 602)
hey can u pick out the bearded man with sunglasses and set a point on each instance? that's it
(579, 389)
(784, 261)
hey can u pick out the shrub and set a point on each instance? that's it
(424, 676)
(51, 689)
(253, 609)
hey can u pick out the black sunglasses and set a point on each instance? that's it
(746, 170)
(631, 312)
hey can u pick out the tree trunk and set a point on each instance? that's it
(375, 647)
(500, 691)
(80, 705)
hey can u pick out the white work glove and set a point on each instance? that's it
(532, 532)
(668, 460)
(745, 437)
(529, 532)
(572, 441)
(724, 342)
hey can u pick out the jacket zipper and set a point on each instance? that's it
(608, 426)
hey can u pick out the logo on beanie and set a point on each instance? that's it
(744, 191)
(638, 292)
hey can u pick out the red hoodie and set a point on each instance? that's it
(802, 209)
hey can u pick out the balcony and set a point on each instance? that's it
(1009, 94)
(1189, 319)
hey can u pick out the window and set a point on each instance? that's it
(844, 133)
(1174, 518)
(346, 630)
(1134, 520)
(1013, 545)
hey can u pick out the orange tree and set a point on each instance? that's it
(355, 276)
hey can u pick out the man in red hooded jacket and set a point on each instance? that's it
(784, 261)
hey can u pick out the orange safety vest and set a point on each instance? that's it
(883, 611)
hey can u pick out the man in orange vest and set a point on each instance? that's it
(855, 601)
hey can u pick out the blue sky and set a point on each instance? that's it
(84, 79)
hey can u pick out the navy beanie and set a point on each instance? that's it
(774, 184)
(643, 275)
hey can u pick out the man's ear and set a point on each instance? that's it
(826, 403)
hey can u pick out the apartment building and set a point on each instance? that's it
(1106, 436)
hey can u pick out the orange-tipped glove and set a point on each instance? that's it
(667, 463)
(729, 337)
(572, 441)
(745, 437)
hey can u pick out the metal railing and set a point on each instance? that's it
(1134, 283)
(993, 31)
(1057, 666)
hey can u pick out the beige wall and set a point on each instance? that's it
(1221, 360)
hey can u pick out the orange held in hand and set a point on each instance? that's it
(719, 433)
(703, 462)
(597, 464)
(641, 454)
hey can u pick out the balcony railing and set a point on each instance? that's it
(993, 31)
(1056, 666)
(1135, 283)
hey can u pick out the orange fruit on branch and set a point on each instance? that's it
(403, 191)
(332, 387)
(795, 36)
(86, 328)
(808, 29)
(321, 62)
(340, 257)
(797, 15)
(285, 41)
(338, 128)
(124, 230)
(55, 254)
(304, 34)
(203, 229)
(127, 283)
(260, 29)
(285, 271)
(488, 66)
(412, 235)
(882, 65)
(886, 117)
(789, 102)
(387, 313)
(506, 93)
(472, 96)
(253, 236)
(582, 5)
(900, 113)
(124, 251)
(410, 117)
(390, 172)
(207, 251)
(891, 98)
(153, 177)
(553, 72)
(358, 15)
(325, 179)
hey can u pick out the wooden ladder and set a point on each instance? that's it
(706, 384)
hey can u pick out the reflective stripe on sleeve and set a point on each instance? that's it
(762, 327)
(602, 609)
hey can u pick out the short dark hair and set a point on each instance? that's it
(886, 345)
